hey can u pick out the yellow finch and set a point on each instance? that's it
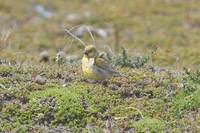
(95, 66)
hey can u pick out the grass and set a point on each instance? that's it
(155, 47)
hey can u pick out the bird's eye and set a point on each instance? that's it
(86, 52)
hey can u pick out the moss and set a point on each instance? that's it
(149, 124)
(6, 71)
(161, 37)
(184, 101)
(75, 106)
(10, 117)
(140, 100)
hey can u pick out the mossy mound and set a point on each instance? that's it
(74, 106)
(144, 99)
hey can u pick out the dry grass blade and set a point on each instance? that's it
(109, 49)
(2, 86)
(76, 26)
(88, 28)
(4, 36)
(68, 31)
(7, 35)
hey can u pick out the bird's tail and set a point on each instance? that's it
(116, 74)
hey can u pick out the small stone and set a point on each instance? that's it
(101, 33)
(74, 17)
(81, 30)
(64, 85)
(87, 14)
(44, 56)
(43, 12)
(71, 59)
(40, 80)
(130, 131)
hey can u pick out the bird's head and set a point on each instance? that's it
(90, 51)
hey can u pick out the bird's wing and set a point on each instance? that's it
(104, 56)
(104, 64)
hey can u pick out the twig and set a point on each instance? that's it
(116, 37)
(91, 35)
(77, 26)
(118, 118)
(7, 35)
(2, 86)
(137, 111)
(4, 37)
(68, 31)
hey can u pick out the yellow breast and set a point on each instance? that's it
(88, 68)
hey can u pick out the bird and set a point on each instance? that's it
(95, 66)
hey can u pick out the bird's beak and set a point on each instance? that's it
(85, 52)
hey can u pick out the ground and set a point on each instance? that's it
(155, 47)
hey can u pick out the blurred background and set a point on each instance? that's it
(168, 28)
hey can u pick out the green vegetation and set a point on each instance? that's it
(143, 101)
(154, 44)
(153, 125)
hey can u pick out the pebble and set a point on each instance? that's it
(44, 56)
(40, 80)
